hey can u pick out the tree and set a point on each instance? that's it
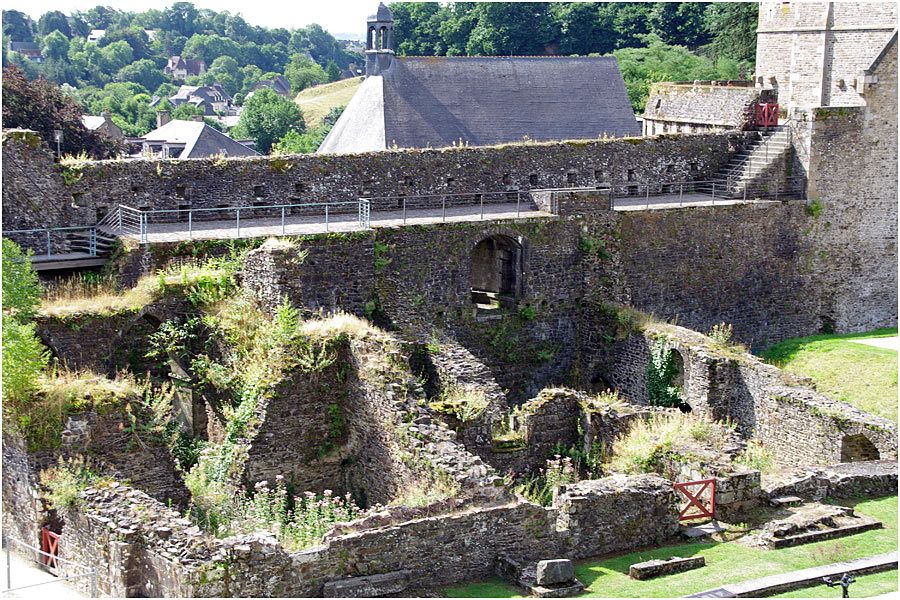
(303, 72)
(18, 26)
(680, 23)
(24, 358)
(332, 71)
(116, 56)
(641, 67)
(55, 46)
(54, 21)
(733, 29)
(227, 71)
(512, 28)
(21, 287)
(135, 36)
(181, 17)
(41, 106)
(143, 72)
(268, 117)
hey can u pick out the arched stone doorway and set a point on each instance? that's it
(856, 448)
(496, 269)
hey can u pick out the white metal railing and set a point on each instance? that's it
(81, 570)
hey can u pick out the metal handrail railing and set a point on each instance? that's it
(50, 231)
(88, 572)
(136, 222)
(716, 189)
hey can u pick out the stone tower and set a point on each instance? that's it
(814, 53)
(379, 41)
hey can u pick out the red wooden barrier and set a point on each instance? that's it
(49, 545)
(767, 115)
(696, 507)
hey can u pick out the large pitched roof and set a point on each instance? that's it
(199, 140)
(438, 101)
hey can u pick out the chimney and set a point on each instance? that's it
(198, 118)
(106, 115)
(162, 117)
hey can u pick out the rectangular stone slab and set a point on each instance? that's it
(657, 568)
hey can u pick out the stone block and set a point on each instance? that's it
(657, 568)
(552, 572)
(371, 586)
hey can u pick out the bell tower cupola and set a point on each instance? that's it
(379, 41)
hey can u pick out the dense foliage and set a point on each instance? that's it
(267, 118)
(24, 358)
(43, 107)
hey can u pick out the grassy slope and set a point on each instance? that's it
(861, 375)
(725, 563)
(315, 102)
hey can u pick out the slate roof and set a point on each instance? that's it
(435, 102)
(199, 139)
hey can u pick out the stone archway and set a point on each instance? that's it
(496, 272)
(856, 448)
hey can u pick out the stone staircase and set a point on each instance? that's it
(754, 169)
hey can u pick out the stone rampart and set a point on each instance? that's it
(686, 107)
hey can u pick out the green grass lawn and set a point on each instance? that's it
(315, 102)
(864, 587)
(725, 563)
(860, 375)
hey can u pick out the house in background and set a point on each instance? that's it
(181, 68)
(212, 99)
(104, 125)
(30, 50)
(190, 139)
(96, 35)
(278, 83)
(440, 101)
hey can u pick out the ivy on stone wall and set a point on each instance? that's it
(662, 369)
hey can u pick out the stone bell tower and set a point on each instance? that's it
(379, 41)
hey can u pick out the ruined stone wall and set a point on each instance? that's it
(23, 511)
(303, 433)
(695, 107)
(805, 49)
(245, 182)
(798, 425)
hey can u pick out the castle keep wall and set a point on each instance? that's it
(807, 49)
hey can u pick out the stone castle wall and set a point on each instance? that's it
(245, 182)
(805, 49)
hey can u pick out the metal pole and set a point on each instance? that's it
(648, 196)
(239, 222)
(282, 220)
(326, 218)
(680, 194)
(482, 206)
(8, 568)
(776, 191)
(48, 243)
(94, 583)
(404, 210)
(745, 192)
(190, 224)
(518, 202)
(444, 209)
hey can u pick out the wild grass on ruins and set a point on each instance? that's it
(661, 437)
(756, 456)
(98, 297)
(463, 402)
(540, 488)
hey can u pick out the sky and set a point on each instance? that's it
(339, 17)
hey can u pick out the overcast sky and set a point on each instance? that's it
(337, 16)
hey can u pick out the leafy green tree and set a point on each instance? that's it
(24, 358)
(512, 28)
(181, 17)
(733, 28)
(210, 47)
(54, 21)
(268, 117)
(18, 26)
(55, 46)
(303, 72)
(227, 71)
(135, 36)
(21, 287)
(641, 67)
(144, 72)
(100, 17)
(116, 56)
(680, 23)
(332, 71)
